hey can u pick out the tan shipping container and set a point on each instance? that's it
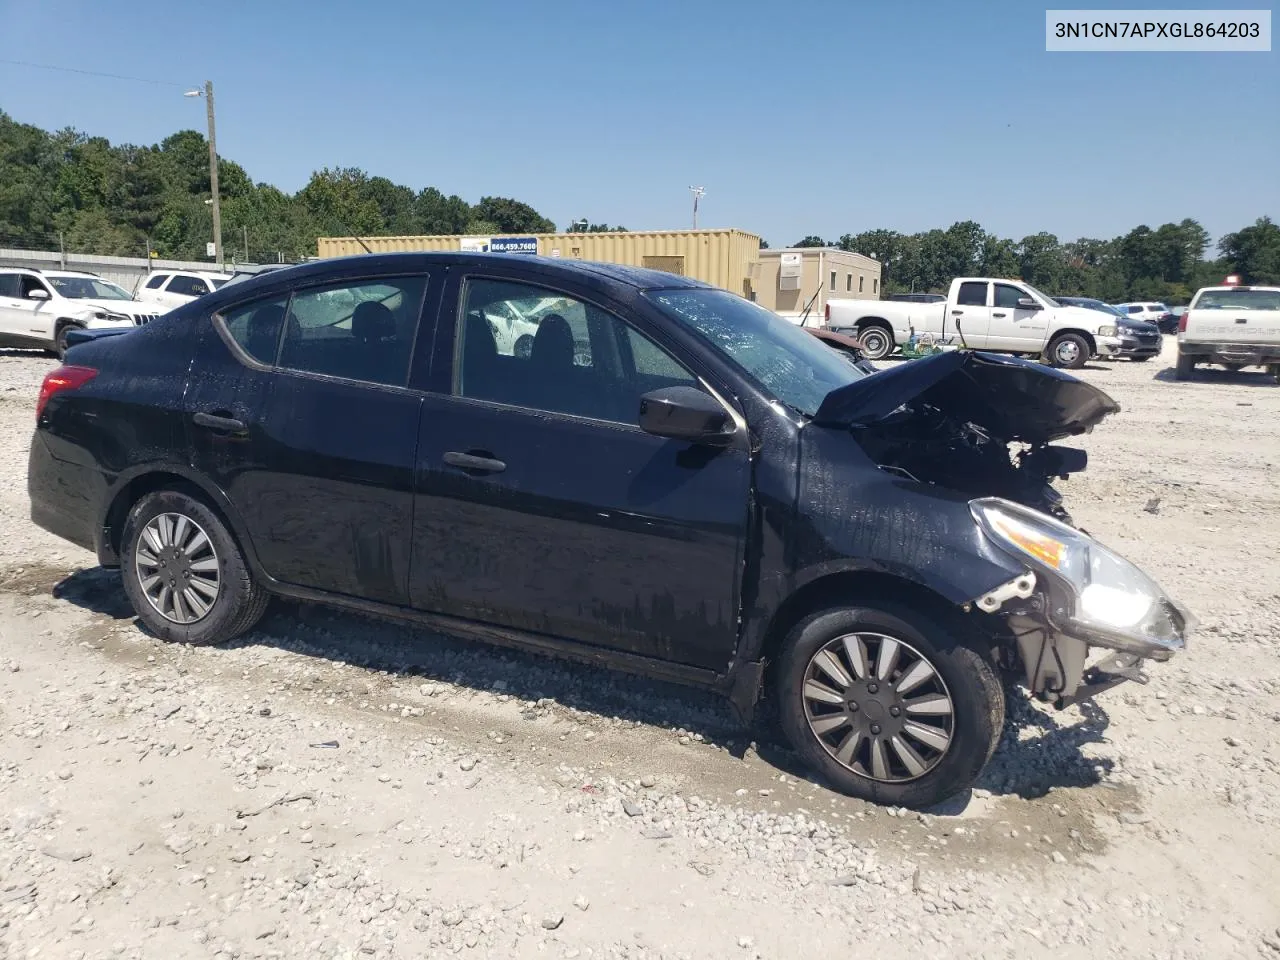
(720, 257)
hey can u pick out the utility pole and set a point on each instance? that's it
(213, 175)
(698, 194)
(207, 93)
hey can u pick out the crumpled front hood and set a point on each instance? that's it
(127, 307)
(1010, 398)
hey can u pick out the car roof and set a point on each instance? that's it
(68, 273)
(638, 278)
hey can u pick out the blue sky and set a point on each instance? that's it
(802, 117)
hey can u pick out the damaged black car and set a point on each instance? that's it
(667, 479)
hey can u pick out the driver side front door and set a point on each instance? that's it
(1013, 327)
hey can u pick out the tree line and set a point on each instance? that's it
(1168, 263)
(93, 197)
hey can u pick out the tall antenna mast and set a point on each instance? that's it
(698, 194)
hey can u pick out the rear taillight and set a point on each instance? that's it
(1182, 322)
(62, 378)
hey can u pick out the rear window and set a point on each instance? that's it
(1238, 300)
(972, 294)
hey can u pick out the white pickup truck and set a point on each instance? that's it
(1003, 316)
(1232, 326)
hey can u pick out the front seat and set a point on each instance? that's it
(480, 376)
(383, 358)
(553, 379)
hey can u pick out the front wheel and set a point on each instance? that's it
(184, 573)
(1070, 350)
(877, 342)
(60, 339)
(888, 704)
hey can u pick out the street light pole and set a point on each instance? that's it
(207, 93)
(698, 194)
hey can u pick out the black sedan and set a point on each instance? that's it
(1138, 340)
(671, 480)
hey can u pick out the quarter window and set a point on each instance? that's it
(972, 294)
(157, 281)
(188, 286)
(256, 327)
(9, 286)
(361, 331)
(528, 347)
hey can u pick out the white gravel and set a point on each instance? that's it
(336, 787)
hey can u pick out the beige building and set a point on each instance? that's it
(785, 281)
(721, 257)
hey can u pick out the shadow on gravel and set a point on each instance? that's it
(1256, 377)
(97, 590)
(1040, 751)
(1037, 752)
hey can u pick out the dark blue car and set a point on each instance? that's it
(671, 480)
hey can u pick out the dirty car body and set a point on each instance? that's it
(672, 480)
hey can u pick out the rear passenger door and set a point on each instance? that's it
(304, 417)
(970, 317)
(542, 506)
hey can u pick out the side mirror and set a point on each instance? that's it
(37, 293)
(1026, 303)
(685, 413)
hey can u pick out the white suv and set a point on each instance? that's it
(38, 307)
(173, 288)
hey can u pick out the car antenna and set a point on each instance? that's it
(809, 306)
(351, 233)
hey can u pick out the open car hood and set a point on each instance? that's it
(1010, 398)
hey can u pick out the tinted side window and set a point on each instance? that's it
(9, 286)
(360, 331)
(561, 355)
(1134, 309)
(1007, 296)
(30, 283)
(972, 295)
(256, 327)
(155, 282)
(188, 286)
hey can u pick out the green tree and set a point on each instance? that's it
(511, 216)
(811, 241)
(1254, 252)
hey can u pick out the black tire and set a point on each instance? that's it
(1069, 351)
(970, 680)
(240, 601)
(60, 338)
(877, 341)
(1185, 366)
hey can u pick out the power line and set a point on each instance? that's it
(91, 73)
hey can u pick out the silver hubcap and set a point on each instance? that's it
(177, 568)
(1068, 351)
(878, 706)
(875, 343)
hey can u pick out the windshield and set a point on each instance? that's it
(1044, 297)
(88, 288)
(1238, 300)
(797, 368)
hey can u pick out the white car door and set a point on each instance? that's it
(12, 312)
(1013, 327)
(151, 291)
(29, 317)
(969, 318)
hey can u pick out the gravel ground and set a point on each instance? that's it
(337, 787)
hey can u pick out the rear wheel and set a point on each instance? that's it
(877, 342)
(1070, 350)
(888, 704)
(1185, 366)
(185, 574)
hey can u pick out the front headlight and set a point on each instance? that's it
(1106, 331)
(1094, 594)
(112, 317)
